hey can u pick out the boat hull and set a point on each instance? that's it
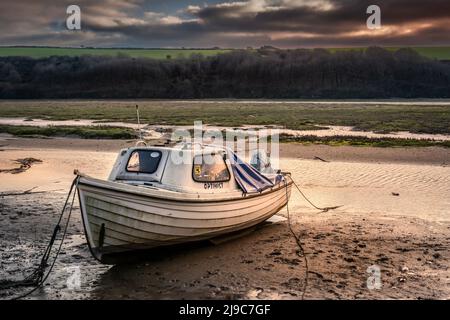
(118, 218)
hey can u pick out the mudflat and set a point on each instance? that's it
(394, 217)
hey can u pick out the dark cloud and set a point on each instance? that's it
(284, 23)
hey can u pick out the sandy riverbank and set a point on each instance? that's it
(424, 155)
(407, 236)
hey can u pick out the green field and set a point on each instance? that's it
(41, 52)
(379, 117)
(441, 53)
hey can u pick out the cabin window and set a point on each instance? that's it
(144, 161)
(210, 168)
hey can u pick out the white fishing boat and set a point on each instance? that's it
(160, 196)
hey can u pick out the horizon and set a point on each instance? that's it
(221, 48)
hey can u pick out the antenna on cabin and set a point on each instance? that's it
(139, 129)
(139, 122)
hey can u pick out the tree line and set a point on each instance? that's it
(263, 73)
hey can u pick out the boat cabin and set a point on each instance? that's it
(178, 169)
(206, 169)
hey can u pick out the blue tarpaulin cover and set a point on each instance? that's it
(248, 178)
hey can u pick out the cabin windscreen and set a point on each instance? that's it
(144, 161)
(210, 168)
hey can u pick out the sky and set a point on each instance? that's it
(226, 24)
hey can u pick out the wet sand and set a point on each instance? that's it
(406, 236)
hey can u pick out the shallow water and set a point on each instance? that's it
(148, 133)
(154, 132)
(75, 123)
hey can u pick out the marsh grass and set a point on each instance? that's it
(361, 141)
(385, 117)
(90, 132)
(106, 132)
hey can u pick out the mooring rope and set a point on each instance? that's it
(296, 237)
(38, 277)
(325, 209)
(299, 243)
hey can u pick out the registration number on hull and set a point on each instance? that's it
(213, 185)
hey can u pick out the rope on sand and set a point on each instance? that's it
(38, 277)
(325, 209)
(301, 252)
